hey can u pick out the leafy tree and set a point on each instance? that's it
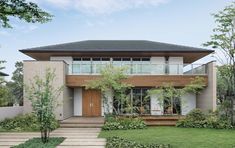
(169, 93)
(16, 85)
(1, 68)
(27, 11)
(223, 39)
(111, 80)
(43, 96)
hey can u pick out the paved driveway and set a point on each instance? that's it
(75, 137)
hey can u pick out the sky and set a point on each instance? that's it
(184, 22)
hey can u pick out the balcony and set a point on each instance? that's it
(142, 69)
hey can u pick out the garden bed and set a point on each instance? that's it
(37, 143)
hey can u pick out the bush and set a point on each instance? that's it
(117, 142)
(197, 119)
(123, 124)
(27, 122)
(196, 115)
(37, 143)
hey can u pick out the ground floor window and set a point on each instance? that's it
(137, 101)
(172, 106)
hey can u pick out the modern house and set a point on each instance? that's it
(150, 64)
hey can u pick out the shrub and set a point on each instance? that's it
(37, 143)
(27, 122)
(197, 119)
(117, 142)
(196, 115)
(124, 123)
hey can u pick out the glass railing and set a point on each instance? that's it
(141, 69)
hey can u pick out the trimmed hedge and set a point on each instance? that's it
(124, 124)
(27, 122)
(117, 142)
(197, 119)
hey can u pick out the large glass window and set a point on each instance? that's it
(172, 106)
(137, 102)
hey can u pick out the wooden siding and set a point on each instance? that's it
(138, 81)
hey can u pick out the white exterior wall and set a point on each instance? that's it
(77, 101)
(156, 106)
(188, 103)
(108, 106)
(159, 68)
(10, 112)
(175, 65)
(67, 59)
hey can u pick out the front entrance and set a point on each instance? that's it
(91, 103)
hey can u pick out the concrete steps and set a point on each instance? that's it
(82, 122)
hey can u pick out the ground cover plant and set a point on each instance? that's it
(23, 123)
(37, 143)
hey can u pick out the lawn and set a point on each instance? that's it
(178, 137)
(37, 143)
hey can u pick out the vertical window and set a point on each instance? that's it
(137, 102)
(86, 65)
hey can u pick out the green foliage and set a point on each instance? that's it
(124, 124)
(168, 93)
(5, 96)
(1, 68)
(223, 39)
(117, 142)
(16, 85)
(111, 80)
(22, 123)
(27, 11)
(196, 85)
(197, 119)
(37, 143)
(196, 115)
(43, 96)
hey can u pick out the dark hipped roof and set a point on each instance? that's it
(115, 46)
(3, 74)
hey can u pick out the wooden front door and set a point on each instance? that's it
(91, 103)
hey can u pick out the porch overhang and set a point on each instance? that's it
(138, 80)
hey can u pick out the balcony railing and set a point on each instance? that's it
(143, 69)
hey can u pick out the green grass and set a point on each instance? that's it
(37, 143)
(178, 137)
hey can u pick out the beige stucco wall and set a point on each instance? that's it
(64, 100)
(206, 100)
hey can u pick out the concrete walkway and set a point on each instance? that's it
(75, 137)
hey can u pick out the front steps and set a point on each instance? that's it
(161, 120)
(82, 122)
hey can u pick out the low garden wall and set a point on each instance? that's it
(10, 112)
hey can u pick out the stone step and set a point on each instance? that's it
(80, 146)
(82, 122)
(90, 139)
(83, 143)
(13, 140)
(9, 143)
(80, 125)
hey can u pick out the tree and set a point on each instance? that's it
(111, 80)
(223, 39)
(16, 85)
(1, 68)
(169, 93)
(27, 11)
(43, 96)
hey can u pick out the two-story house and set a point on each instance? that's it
(150, 64)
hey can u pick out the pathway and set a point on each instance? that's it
(75, 137)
